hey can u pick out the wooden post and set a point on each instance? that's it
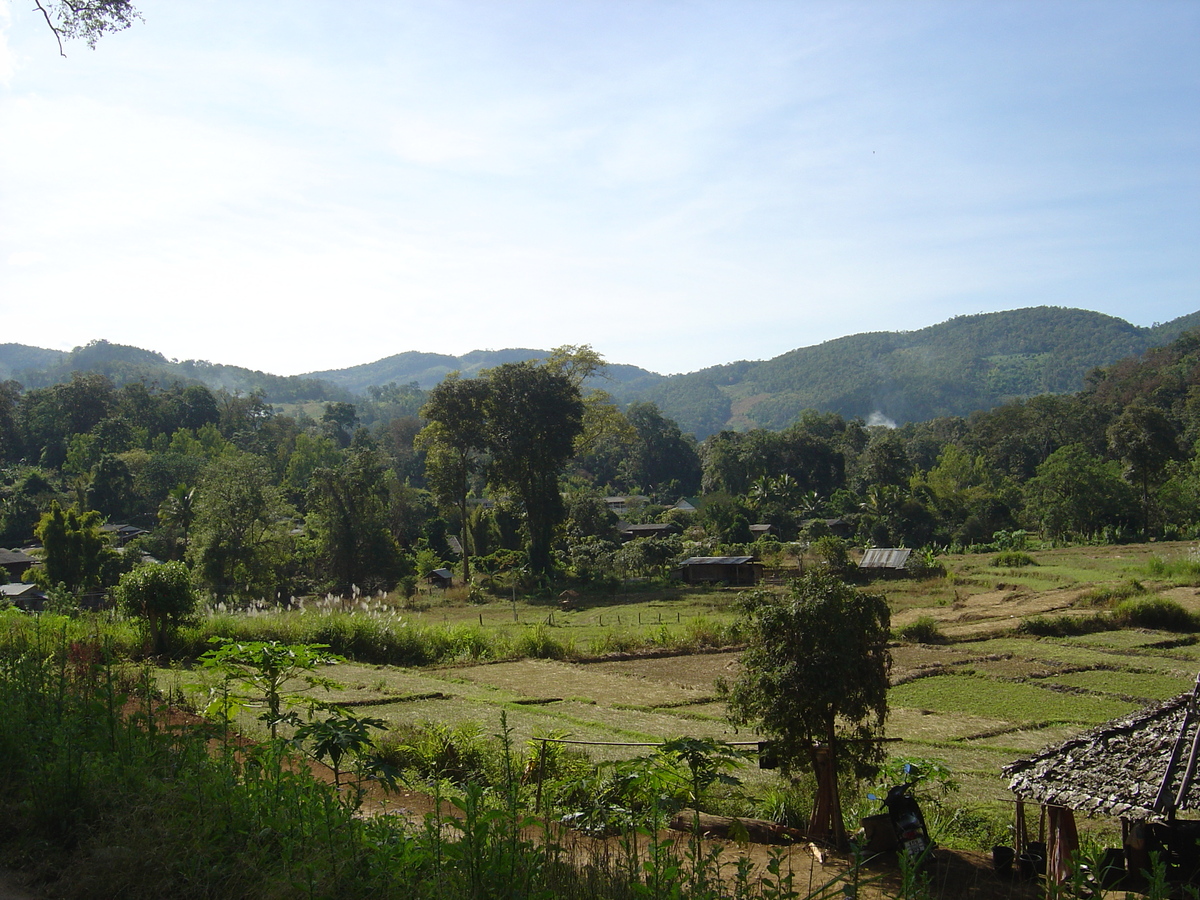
(537, 803)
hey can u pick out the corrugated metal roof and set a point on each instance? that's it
(717, 561)
(885, 558)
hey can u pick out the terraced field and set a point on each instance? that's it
(981, 699)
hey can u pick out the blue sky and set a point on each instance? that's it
(303, 186)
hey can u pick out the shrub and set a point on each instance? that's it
(1110, 595)
(787, 802)
(1012, 559)
(833, 553)
(925, 564)
(1066, 626)
(923, 631)
(431, 751)
(539, 643)
(1158, 613)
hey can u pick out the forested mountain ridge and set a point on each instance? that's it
(35, 367)
(428, 369)
(950, 369)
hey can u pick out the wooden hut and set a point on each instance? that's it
(1140, 768)
(16, 563)
(648, 529)
(727, 569)
(440, 578)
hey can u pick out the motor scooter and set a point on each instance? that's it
(907, 821)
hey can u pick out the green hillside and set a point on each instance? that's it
(34, 367)
(427, 369)
(950, 369)
(953, 368)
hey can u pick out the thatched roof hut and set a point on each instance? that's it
(1133, 768)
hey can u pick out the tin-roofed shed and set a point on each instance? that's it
(885, 558)
(728, 569)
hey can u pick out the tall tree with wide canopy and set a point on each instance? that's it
(348, 509)
(814, 679)
(453, 440)
(534, 415)
(240, 535)
(1144, 438)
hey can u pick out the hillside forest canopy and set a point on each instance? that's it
(521, 463)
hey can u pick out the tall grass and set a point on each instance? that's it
(391, 639)
(1154, 613)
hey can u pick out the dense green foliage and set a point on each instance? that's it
(534, 471)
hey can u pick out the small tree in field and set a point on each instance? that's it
(814, 679)
(161, 595)
(267, 675)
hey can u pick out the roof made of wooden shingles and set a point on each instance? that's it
(1116, 769)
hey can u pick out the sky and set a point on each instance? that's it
(314, 185)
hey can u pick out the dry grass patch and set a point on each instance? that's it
(1028, 740)
(697, 671)
(931, 727)
(544, 678)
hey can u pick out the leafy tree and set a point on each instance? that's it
(77, 552)
(664, 461)
(162, 595)
(338, 421)
(453, 440)
(110, 488)
(727, 519)
(178, 512)
(533, 417)
(31, 493)
(241, 530)
(588, 516)
(602, 418)
(10, 435)
(348, 508)
(969, 498)
(815, 674)
(310, 453)
(88, 20)
(1144, 438)
(49, 417)
(884, 461)
(1076, 493)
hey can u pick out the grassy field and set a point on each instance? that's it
(983, 697)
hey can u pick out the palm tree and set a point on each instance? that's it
(178, 511)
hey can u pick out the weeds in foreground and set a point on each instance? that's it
(95, 767)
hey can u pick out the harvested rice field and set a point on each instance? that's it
(986, 694)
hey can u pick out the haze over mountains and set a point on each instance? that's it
(952, 368)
